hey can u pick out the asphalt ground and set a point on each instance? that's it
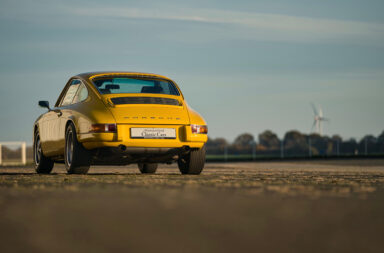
(321, 206)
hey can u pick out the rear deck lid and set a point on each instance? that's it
(147, 109)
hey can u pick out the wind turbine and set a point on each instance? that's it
(318, 118)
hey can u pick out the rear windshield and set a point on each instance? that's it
(115, 85)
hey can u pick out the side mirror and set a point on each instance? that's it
(44, 104)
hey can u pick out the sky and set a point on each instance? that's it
(246, 66)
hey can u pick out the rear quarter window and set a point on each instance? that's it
(70, 93)
(81, 95)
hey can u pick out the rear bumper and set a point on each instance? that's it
(127, 155)
(155, 144)
(184, 137)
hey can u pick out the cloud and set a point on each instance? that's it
(210, 24)
(272, 26)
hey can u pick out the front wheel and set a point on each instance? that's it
(193, 163)
(43, 165)
(147, 168)
(77, 158)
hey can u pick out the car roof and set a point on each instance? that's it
(90, 75)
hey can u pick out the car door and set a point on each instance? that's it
(64, 113)
(47, 132)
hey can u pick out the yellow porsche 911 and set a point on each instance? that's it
(119, 118)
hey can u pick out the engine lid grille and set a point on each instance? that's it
(144, 100)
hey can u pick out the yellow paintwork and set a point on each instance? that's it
(127, 74)
(98, 109)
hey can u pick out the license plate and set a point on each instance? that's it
(153, 133)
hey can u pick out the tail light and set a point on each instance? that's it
(199, 129)
(103, 128)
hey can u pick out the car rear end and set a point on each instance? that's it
(150, 123)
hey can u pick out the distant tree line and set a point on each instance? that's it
(268, 144)
(295, 143)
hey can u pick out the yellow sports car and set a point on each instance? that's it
(119, 118)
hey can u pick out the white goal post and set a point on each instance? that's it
(23, 146)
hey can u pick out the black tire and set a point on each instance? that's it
(193, 163)
(147, 168)
(77, 158)
(43, 165)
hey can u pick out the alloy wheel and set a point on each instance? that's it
(37, 150)
(69, 148)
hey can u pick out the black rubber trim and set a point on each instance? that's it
(144, 100)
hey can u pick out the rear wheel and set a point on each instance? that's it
(193, 163)
(77, 158)
(43, 165)
(147, 168)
